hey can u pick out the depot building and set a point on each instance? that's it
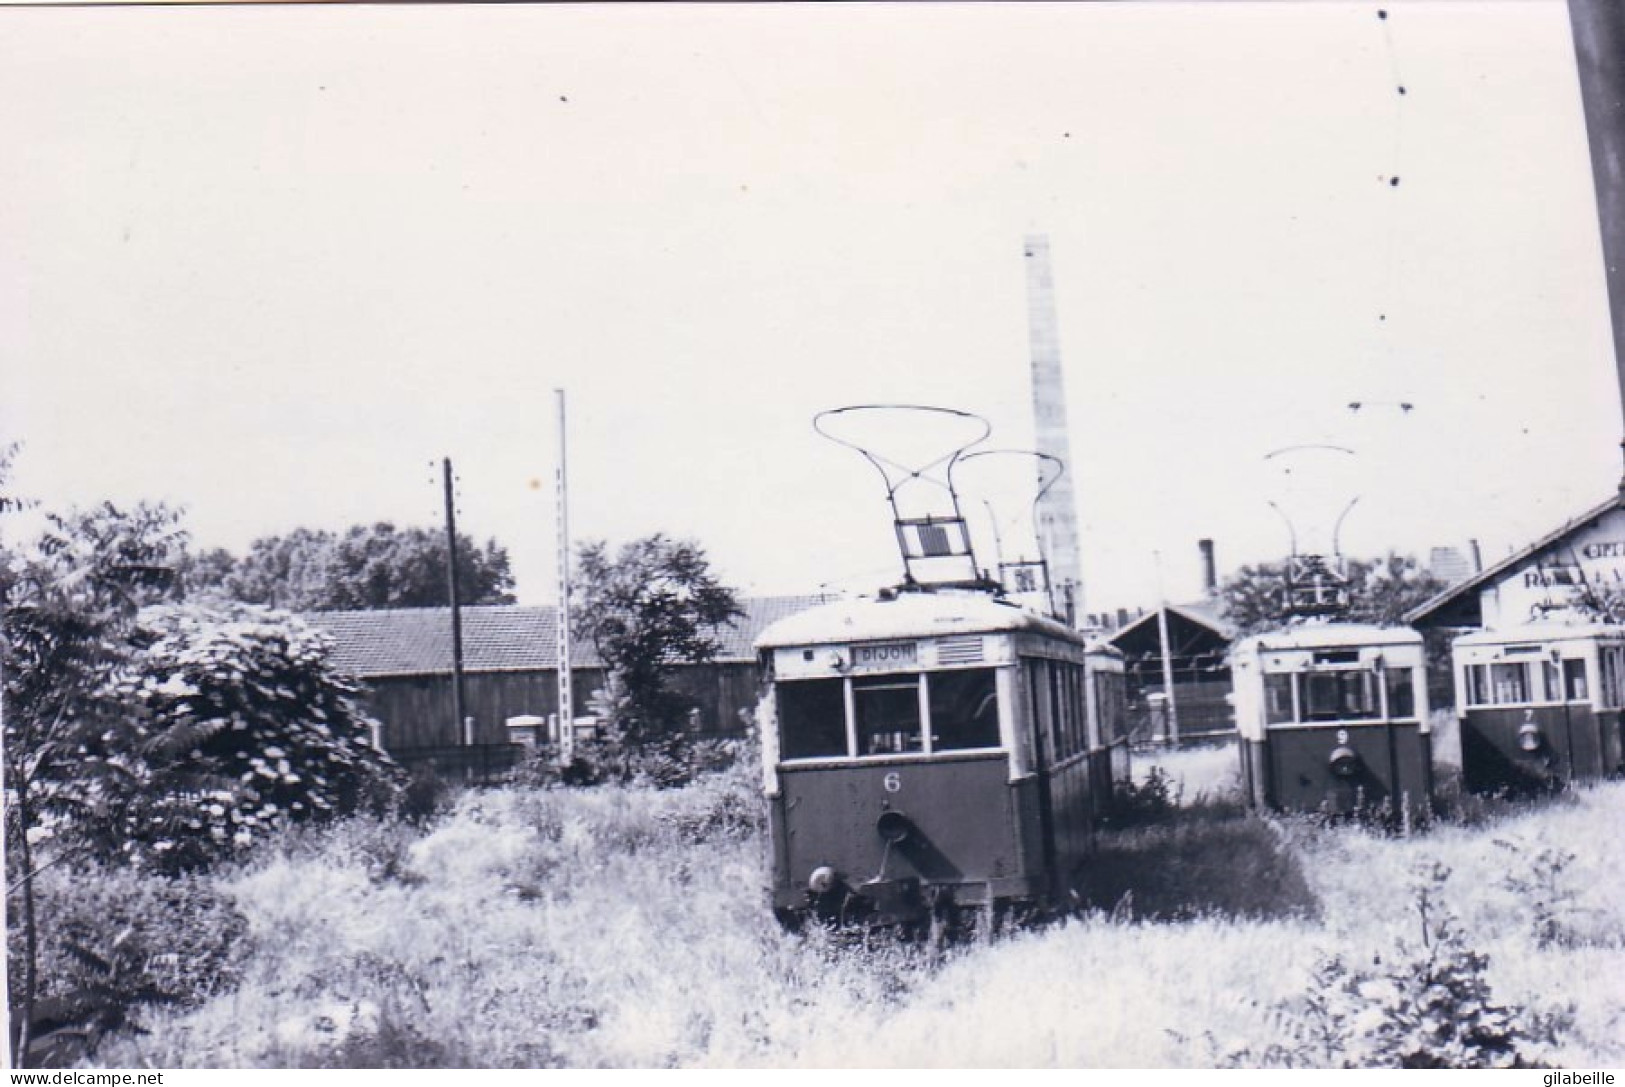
(1552, 577)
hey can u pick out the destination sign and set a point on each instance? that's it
(885, 655)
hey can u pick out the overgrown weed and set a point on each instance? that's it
(1215, 860)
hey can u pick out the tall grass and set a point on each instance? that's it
(625, 927)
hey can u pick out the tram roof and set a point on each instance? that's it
(910, 615)
(1553, 631)
(1313, 635)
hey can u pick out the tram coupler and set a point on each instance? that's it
(895, 901)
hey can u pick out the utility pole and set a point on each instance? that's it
(463, 731)
(1167, 657)
(566, 715)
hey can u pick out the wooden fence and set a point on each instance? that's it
(478, 764)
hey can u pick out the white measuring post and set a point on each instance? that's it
(566, 715)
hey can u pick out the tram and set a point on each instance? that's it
(943, 744)
(1540, 704)
(1333, 717)
(929, 751)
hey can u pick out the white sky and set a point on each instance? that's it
(271, 263)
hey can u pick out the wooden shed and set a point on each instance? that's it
(1198, 647)
(403, 656)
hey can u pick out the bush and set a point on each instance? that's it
(116, 941)
(1136, 803)
(1215, 860)
(1417, 1006)
(726, 804)
(246, 728)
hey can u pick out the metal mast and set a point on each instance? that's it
(1057, 510)
(567, 729)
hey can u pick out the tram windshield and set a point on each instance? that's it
(960, 713)
(888, 714)
(1341, 695)
(964, 710)
(812, 719)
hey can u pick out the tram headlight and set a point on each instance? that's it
(893, 826)
(1344, 761)
(822, 880)
(1529, 737)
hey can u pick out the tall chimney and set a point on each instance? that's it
(1057, 511)
(1210, 571)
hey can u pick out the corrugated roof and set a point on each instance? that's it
(500, 637)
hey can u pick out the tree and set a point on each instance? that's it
(141, 730)
(70, 606)
(650, 609)
(367, 566)
(1380, 591)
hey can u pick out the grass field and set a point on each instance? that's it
(617, 927)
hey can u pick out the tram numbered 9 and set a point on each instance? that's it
(1333, 717)
(925, 752)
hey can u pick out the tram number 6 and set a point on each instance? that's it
(893, 782)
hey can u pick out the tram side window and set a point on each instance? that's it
(812, 719)
(1042, 722)
(1612, 677)
(1057, 697)
(888, 714)
(1574, 680)
(1111, 701)
(1277, 698)
(1068, 717)
(1339, 696)
(964, 710)
(1401, 693)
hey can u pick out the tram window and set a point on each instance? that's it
(1509, 683)
(1478, 692)
(1058, 699)
(1111, 696)
(1611, 677)
(1339, 696)
(1401, 694)
(812, 719)
(964, 710)
(1277, 698)
(888, 714)
(1043, 716)
(1071, 714)
(1574, 680)
(1551, 683)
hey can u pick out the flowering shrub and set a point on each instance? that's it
(245, 727)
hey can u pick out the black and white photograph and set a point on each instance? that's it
(796, 536)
